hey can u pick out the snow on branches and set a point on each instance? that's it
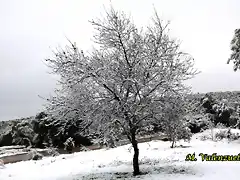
(121, 84)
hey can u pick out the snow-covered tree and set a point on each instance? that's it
(235, 48)
(174, 121)
(121, 83)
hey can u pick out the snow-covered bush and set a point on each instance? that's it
(222, 113)
(54, 132)
(205, 137)
(198, 123)
(219, 108)
(221, 126)
(185, 134)
(37, 156)
(84, 148)
(52, 151)
(220, 133)
(69, 144)
(226, 134)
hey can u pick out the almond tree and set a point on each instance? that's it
(121, 83)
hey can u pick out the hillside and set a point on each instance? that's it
(40, 132)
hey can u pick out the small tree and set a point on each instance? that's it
(211, 127)
(120, 85)
(235, 48)
(174, 123)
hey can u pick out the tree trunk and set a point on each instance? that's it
(173, 141)
(136, 170)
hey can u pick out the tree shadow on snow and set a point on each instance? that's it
(157, 169)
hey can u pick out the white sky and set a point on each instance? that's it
(28, 28)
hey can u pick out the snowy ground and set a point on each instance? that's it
(157, 160)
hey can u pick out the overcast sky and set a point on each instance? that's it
(30, 28)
